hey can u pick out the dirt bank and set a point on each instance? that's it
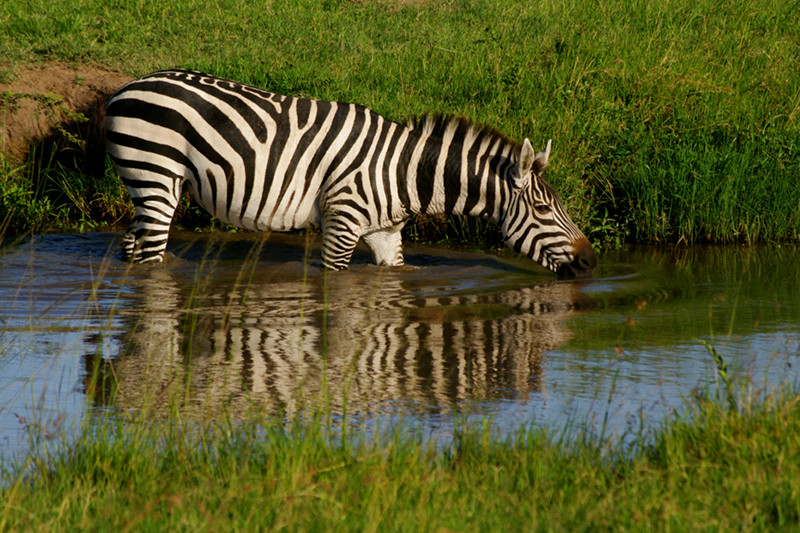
(39, 101)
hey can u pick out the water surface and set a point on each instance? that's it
(236, 323)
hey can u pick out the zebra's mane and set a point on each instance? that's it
(436, 124)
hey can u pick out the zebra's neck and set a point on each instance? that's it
(457, 167)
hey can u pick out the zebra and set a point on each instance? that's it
(268, 162)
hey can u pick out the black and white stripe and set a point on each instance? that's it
(360, 345)
(264, 161)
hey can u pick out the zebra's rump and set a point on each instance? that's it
(252, 158)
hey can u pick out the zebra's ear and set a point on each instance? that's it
(542, 158)
(526, 161)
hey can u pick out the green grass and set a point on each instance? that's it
(672, 121)
(51, 191)
(715, 467)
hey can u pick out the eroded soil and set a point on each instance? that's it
(42, 100)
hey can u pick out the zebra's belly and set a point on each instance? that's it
(267, 216)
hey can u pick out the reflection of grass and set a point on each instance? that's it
(717, 468)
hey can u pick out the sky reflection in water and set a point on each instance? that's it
(240, 325)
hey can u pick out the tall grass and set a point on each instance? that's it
(672, 121)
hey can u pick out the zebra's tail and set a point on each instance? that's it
(96, 141)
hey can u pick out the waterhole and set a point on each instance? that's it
(233, 324)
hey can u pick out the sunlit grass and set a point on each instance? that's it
(672, 121)
(711, 467)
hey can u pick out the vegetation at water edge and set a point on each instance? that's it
(722, 466)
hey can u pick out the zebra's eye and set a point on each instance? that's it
(542, 209)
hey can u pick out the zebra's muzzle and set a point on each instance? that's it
(583, 260)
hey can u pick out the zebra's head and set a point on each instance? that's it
(536, 223)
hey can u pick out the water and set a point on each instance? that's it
(236, 324)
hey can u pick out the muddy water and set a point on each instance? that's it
(234, 324)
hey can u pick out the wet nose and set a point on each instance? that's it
(583, 260)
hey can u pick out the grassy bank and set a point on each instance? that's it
(672, 121)
(714, 468)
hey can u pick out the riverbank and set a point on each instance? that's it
(715, 466)
(671, 122)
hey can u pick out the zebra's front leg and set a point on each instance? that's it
(339, 238)
(386, 245)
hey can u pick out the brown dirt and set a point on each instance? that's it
(39, 100)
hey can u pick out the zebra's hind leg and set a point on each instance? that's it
(386, 245)
(128, 243)
(146, 238)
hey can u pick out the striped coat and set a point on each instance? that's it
(264, 161)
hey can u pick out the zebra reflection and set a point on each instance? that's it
(361, 342)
